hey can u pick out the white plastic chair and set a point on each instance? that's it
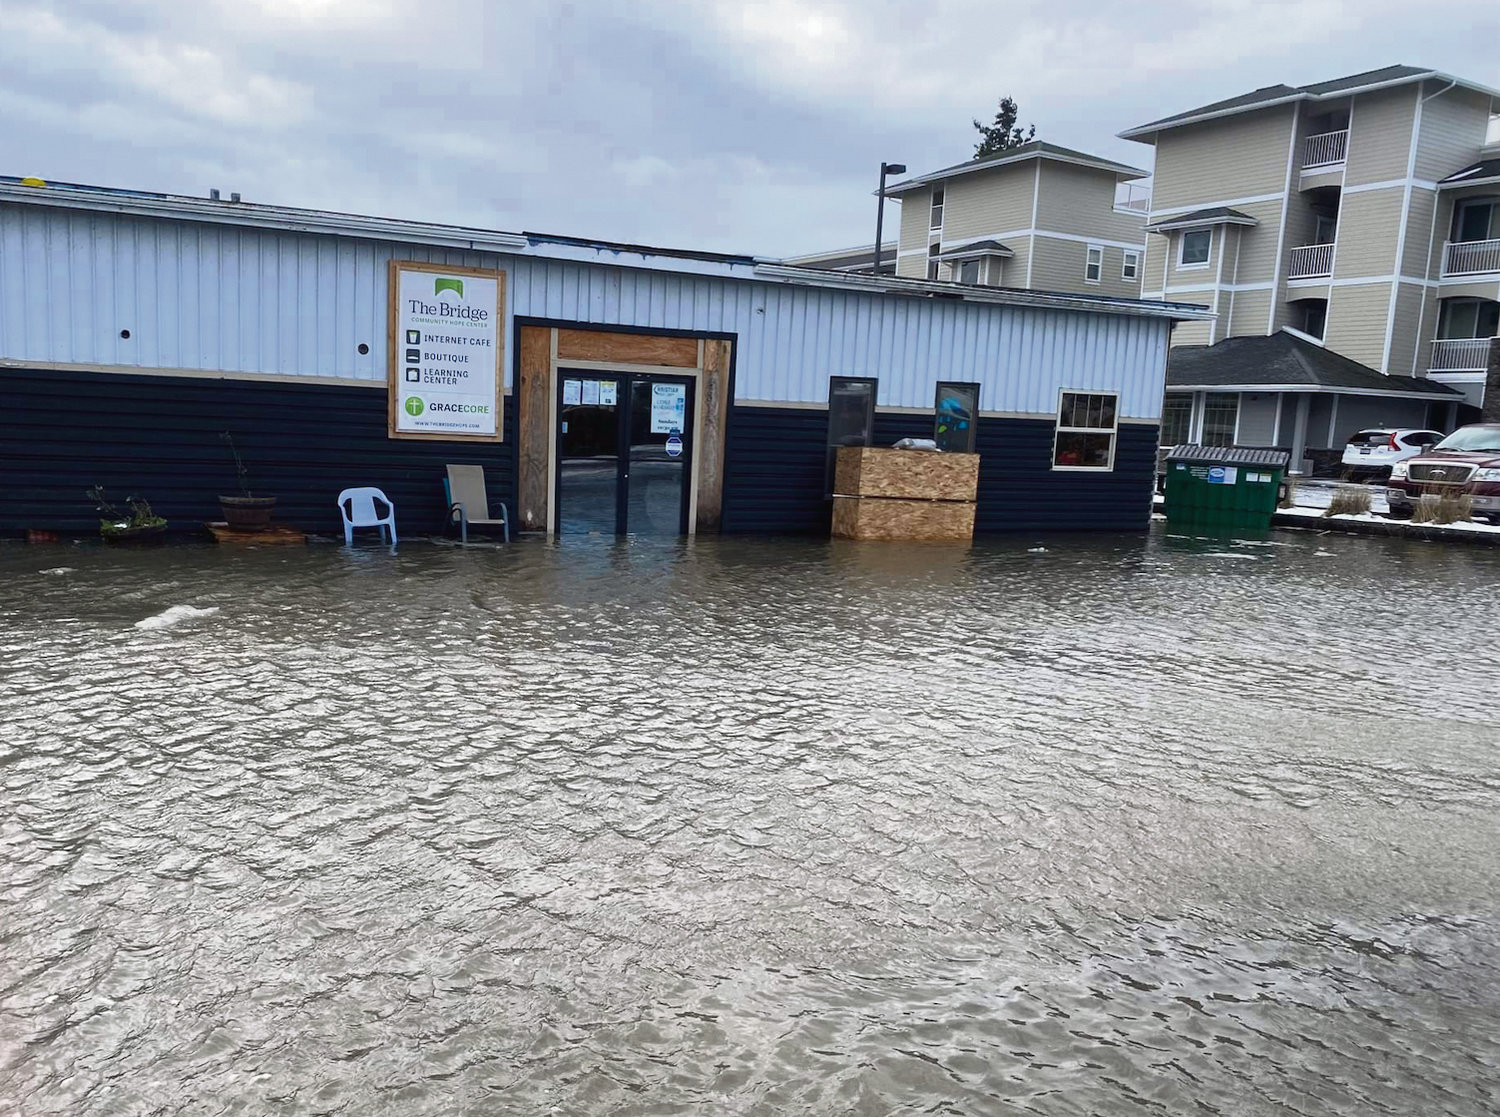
(357, 507)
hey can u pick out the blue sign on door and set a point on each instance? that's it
(674, 446)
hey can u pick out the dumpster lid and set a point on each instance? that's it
(1230, 455)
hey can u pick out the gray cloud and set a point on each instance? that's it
(742, 125)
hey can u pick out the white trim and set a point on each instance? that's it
(1189, 288)
(1338, 217)
(906, 186)
(1075, 238)
(942, 211)
(1228, 203)
(1099, 248)
(1195, 420)
(194, 373)
(1036, 201)
(1113, 432)
(1392, 184)
(811, 405)
(1458, 377)
(1213, 327)
(1286, 197)
(1318, 341)
(1124, 256)
(1276, 427)
(1333, 418)
(1416, 350)
(1400, 261)
(1182, 237)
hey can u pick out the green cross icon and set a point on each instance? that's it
(414, 405)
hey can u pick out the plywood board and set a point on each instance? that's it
(630, 349)
(906, 474)
(271, 534)
(709, 443)
(913, 521)
(534, 426)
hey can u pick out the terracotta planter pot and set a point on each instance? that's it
(246, 513)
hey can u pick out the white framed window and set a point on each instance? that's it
(936, 220)
(1193, 248)
(968, 271)
(1093, 268)
(1087, 423)
(1130, 266)
(932, 259)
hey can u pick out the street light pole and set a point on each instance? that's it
(885, 169)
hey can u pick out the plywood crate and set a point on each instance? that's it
(905, 474)
(892, 519)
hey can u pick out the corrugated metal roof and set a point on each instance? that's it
(1229, 455)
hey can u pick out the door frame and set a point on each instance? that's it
(707, 358)
(623, 411)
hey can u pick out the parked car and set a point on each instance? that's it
(1371, 453)
(1467, 462)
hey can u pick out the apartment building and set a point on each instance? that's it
(859, 260)
(1347, 235)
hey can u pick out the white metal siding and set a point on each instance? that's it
(198, 296)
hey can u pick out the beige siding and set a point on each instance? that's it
(1419, 230)
(1451, 133)
(1059, 266)
(1367, 234)
(913, 223)
(991, 202)
(1192, 333)
(1380, 135)
(1081, 201)
(1356, 322)
(1247, 312)
(1404, 332)
(1192, 276)
(1440, 231)
(1426, 331)
(1153, 268)
(1257, 247)
(1235, 157)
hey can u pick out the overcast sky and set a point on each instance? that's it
(737, 125)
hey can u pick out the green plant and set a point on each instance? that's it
(1348, 500)
(239, 464)
(112, 521)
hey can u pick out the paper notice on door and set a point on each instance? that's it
(607, 393)
(591, 393)
(668, 407)
(572, 391)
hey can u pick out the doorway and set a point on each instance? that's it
(625, 453)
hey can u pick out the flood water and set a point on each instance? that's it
(1060, 826)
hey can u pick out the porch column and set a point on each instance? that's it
(1299, 431)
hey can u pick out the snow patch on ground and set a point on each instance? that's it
(175, 616)
(1230, 554)
(1467, 528)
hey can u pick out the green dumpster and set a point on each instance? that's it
(1223, 488)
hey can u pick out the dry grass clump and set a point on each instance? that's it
(1442, 508)
(1348, 500)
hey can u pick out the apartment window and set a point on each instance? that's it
(932, 260)
(936, 220)
(1192, 248)
(1086, 427)
(1477, 220)
(1130, 268)
(1177, 419)
(1325, 225)
(1468, 318)
(968, 271)
(1093, 268)
(1221, 412)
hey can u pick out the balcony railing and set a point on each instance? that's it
(1311, 261)
(1471, 257)
(1460, 354)
(1132, 197)
(1325, 149)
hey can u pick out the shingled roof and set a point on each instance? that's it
(1286, 362)
(1271, 95)
(1036, 149)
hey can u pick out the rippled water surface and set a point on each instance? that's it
(1069, 826)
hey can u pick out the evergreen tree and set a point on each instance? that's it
(1004, 134)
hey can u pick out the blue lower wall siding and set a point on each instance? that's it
(773, 479)
(157, 437)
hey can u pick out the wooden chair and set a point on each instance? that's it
(469, 502)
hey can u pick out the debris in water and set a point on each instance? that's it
(176, 615)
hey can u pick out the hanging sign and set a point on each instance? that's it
(446, 352)
(668, 408)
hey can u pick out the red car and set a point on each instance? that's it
(1466, 462)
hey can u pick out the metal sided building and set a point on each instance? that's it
(603, 387)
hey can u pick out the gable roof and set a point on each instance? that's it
(1286, 362)
(1272, 95)
(1035, 149)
